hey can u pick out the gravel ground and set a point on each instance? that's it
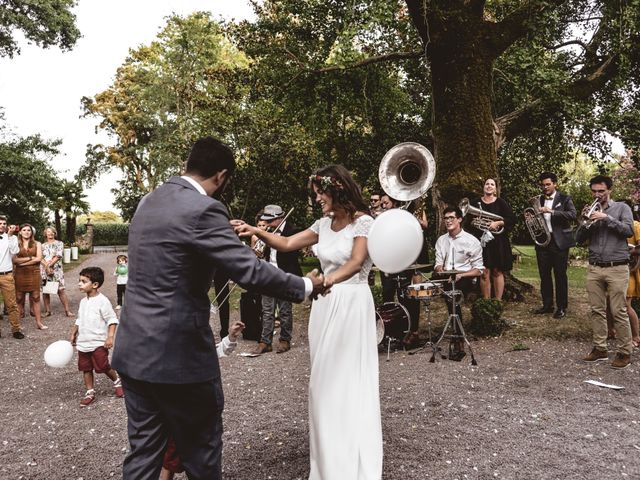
(519, 414)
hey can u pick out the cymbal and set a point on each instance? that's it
(448, 272)
(417, 266)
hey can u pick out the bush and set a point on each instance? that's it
(376, 291)
(486, 318)
(107, 233)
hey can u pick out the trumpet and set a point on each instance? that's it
(585, 217)
(537, 226)
(481, 219)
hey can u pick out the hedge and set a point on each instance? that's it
(107, 233)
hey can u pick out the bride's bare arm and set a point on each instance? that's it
(298, 241)
(351, 266)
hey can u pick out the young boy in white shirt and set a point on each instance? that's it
(93, 333)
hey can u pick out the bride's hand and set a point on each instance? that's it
(245, 230)
(328, 282)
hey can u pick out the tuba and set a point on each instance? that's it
(585, 217)
(534, 219)
(480, 218)
(407, 172)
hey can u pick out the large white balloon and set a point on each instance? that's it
(58, 354)
(395, 240)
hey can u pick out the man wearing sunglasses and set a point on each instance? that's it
(375, 208)
(608, 272)
(558, 211)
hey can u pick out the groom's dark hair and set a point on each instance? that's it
(209, 156)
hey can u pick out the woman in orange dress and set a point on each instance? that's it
(27, 272)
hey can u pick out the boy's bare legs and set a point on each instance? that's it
(88, 380)
(166, 474)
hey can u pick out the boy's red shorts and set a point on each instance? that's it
(172, 460)
(97, 360)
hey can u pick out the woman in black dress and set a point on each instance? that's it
(496, 253)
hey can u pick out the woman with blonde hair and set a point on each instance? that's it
(27, 272)
(51, 269)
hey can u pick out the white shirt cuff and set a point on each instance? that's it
(308, 286)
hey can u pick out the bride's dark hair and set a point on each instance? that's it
(337, 182)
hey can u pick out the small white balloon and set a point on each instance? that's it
(58, 354)
(395, 240)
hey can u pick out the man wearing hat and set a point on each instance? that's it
(288, 262)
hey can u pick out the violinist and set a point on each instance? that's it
(273, 215)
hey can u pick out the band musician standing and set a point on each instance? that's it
(165, 350)
(559, 212)
(458, 251)
(288, 262)
(608, 271)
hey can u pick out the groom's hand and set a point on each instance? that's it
(317, 280)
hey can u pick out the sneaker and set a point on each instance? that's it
(88, 398)
(621, 361)
(262, 348)
(596, 355)
(283, 346)
(119, 390)
(118, 307)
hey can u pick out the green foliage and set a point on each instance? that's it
(99, 216)
(182, 86)
(45, 23)
(486, 318)
(107, 233)
(376, 291)
(28, 183)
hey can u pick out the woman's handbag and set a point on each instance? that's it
(50, 288)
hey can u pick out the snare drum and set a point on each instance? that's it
(424, 291)
(395, 320)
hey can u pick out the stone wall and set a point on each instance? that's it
(85, 242)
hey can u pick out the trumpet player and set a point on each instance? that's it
(558, 211)
(607, 229)
(273, 215)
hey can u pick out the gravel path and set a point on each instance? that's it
(518, 415)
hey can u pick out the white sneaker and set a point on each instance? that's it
(118, 307)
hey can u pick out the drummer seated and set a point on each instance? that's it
(458, 257)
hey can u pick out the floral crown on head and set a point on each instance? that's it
(326, 181)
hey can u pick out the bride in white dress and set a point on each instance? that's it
(345, 431)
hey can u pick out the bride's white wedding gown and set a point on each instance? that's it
(344, 403)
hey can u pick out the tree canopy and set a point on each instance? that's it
(44, 22)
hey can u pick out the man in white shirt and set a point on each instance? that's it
(461, 252)
(9, 248)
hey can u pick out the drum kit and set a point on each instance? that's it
(393, 322)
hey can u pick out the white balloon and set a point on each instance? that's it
(58, 354)
(395, 240)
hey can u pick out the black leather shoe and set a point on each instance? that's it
(18, 335)
(542, 310)
(560, 313)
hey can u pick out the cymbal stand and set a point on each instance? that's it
(453, 321)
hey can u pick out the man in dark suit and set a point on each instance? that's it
(558, 211)
(288, 262)
(165, 351)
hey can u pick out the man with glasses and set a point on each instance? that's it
(461, 252)
(558, 211)
(375, 208)
(608, 272)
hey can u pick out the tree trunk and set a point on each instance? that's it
(465, 149)
(58, 222)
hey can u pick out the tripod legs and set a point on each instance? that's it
(453, 321)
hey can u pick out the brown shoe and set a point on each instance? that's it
(596, 355)
(261, 348)
(412, 339)
(621, 361)
(283, 346)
